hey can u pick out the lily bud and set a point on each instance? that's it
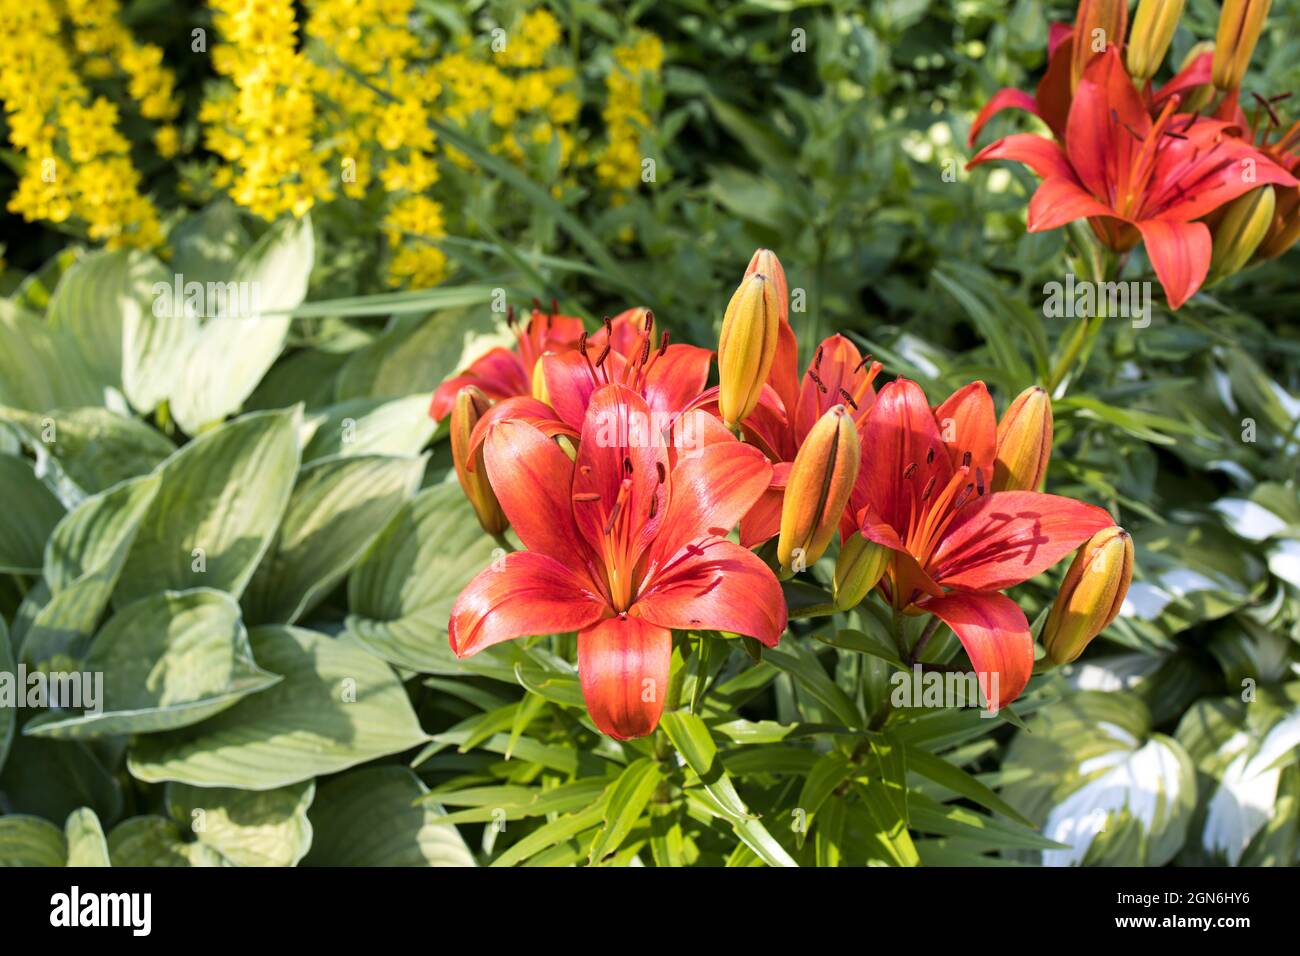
(1239, 233)
(1285, 229)
(1098, 26)
(1024, 442)
(747, 346)
(818, 488)
(858, 569)
(1240, 23)
(1196, 98)
(767, 264)
(1091, 595)
(1153, 30)
(468, 407)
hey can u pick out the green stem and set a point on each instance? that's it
(919, 648)
(504, 543)
(813, 610)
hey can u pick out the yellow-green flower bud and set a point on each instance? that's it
(1239, 233)
(1024, 442)
(1153, 30)
(469, 406)
(1091, 595)
(747, 346)
(859, 568)
(821, 479)
(1240, 23)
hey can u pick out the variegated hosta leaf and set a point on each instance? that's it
(369, 427)
(8, 714)
(371, 817)
(247, 827)
(85, 836)
(217, 509)
(167, 661)
(1098, 780)
(338, 507)
(230, 353)
(29, 515)
(1246, 752)
(401, 594)
(158, 841)
(337, 706)
(41, 367)
(31, 841)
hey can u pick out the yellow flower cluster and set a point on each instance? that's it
(619, 164)
(78, 167)
(264, 126)
(410, 227)
(107, 49)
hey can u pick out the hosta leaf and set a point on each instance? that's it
(228, 355)
(370, 427)
(41, 367)
(216, 512)
(157, 841)
(336, 707)
(370, 817)
(29, 515)
(95, 447)
(8, 712)
(248, 828)
(52, 778)
(83, 559)
(86, 843)
(31, 841)
(338, 507)
(414, 354)
(401, 594)
(168, 661)
(1100, 782)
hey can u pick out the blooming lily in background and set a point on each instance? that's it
(955, 543)
(623, 546)
(1134, 178)
(503, 373)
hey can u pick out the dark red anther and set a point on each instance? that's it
(848, 398)
(863, 364)
(582, 342)
(627, 464)
(929, 456)
(817, 381)
(645, 350)
(929, 487)
(510, 316)
(654, 506)
(979, 480)
(537, 304)
(961, 498)
(1272, 116)
(965, 459)
(817, 360)
(604, 354)
(663, 343)
(649, 321)
(909, 471)
(613, 515)
(663, 472)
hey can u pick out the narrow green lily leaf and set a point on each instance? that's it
(627, 801)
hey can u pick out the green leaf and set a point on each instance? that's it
(95, 448)
(229, 354)
(557, 831)
(40, 367)
(85, 836)
(8, 712)
(52, 778)
(336, 707)
(83, 559)
(370, 427)
(338, 507)
(29, 515)
(401, 594)
(371, 817)
(960, 782)
(809, 676)
(217, 510)
(31, 841)
(830, 771)
(627, 801)
(168, 661)
(248, 828)
(157, 841)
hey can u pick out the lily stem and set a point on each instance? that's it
(813, 610)
(504, 543)
(919, 648)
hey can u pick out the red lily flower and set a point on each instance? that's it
(503, 373)
(837, 375)
(1052, 98)
(1135, 178)
(955, 544)
(624, 351)
(623, 547)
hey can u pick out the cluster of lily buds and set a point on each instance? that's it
(1181, 168)
(623, 474)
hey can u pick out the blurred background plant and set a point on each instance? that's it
(604, 156)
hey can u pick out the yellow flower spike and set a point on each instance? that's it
(1091, 594)
(1024, 442)
(1153, 30)
(1240, 232)
(765, 262)
(1098, 26)
(747, 346)
(1240, 23)
(469, 407)
(858, 569)
(818, 488)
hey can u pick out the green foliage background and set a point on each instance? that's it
(248, 526)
